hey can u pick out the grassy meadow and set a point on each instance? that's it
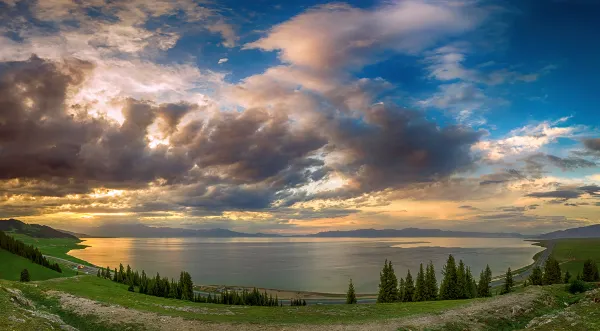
(57, 247)
(572, 253)
(12, 264)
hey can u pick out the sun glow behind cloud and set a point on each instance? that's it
(188, 125)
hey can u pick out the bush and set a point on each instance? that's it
(578, 286)
(25, 276)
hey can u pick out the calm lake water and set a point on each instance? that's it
(304, 264)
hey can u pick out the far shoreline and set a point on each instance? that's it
(292, 294)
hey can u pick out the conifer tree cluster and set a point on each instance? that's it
(590, 271)
(458, 283)
(297, 302)
(29, 252)
(183, 288)
(388, 284)
(552, 272)
(485, 278)
(243, 298)
(537, 276)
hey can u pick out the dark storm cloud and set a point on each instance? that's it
(225, 161)
(593, 145)
(171, 115)
(570, 163)
(251, 146)
(536, 162)
(392, 147)
(559, 194)
(502, 177)
(41, 139)
(590, 189)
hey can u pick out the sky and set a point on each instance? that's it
(301, 116)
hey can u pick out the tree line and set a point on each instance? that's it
(29, 252)
(183, 289)
(552, 273)
(458, 283)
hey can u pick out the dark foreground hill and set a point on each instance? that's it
(32, 230)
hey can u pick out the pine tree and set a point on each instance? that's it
(536, 277)
(401, 290)
(567, 277)
(421, 286)
(187, 286)
(131, 288)
(107, 272)
(115, 276)
(430, 279)
(98, 274)
(461, 281)
(508, 282)
(25, 276)
(552, 273)
(448, 288)
(351, 295)
(483, 287)
(121, 276)
(388, 284)
(409, 288)
(471, 284)
(590, 271)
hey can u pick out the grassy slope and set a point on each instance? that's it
(571, 253)
(57, 247)
(13, 264)
(12, 318)
(552, 304)
(106, 291)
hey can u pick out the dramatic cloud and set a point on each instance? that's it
(338, 35)
(396, 147)
(42, 138)
(133, 111)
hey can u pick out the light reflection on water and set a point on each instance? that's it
(310, 264)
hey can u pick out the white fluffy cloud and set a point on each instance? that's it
(526, 140)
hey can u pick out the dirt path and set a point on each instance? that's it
(114, 314)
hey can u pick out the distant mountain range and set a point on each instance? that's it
(144, 231)
(591, 231)
(32, 230)
(414, 232)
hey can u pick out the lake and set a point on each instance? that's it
(303, 264)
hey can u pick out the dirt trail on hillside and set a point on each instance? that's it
(507, 305)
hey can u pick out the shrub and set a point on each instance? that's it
(578, 286)
(25, 276)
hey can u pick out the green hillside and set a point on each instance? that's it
(572, 253)
(12, 265)
(32, 230)
(56, 247)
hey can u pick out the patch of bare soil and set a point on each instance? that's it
(26, 306)
(507, 305)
